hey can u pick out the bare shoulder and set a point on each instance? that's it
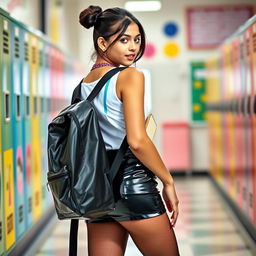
(131, 75)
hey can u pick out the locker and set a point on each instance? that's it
(214, 118)
(54, 83)
(253, 105)
(228, 122)
(253, 113)
(26, 127)
(43, 122)
(248, 121)
(16, 57)
(2, 231)
(7, 147)
(242, 107)
(35, 131)
(238, 119)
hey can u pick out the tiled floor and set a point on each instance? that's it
(206, 226)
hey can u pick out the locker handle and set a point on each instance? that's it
(243, 105)
(248, 107)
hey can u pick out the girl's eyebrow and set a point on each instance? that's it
(130, 35)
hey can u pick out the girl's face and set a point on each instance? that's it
(126, 48)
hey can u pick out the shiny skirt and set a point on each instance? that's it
(135, 191)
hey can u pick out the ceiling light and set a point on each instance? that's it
(143, 6)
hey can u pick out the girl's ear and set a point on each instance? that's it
(102, 44)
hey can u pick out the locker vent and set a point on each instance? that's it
(6, 42)
(254, 42)
(26, 51)
(33, 54)
(17, 47)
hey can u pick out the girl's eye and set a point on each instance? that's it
(138, 40)
(124, 40)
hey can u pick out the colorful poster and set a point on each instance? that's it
(198, 96)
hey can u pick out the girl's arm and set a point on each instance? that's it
(131, 85)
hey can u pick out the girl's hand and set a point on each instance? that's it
(171, 201)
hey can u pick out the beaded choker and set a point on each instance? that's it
(101, 64)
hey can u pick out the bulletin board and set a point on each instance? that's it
(209, 26)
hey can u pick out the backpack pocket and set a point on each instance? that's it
(59, 183)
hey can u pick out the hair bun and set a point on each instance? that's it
(88, 17)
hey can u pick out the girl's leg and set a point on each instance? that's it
(106, 239)
(153, 236)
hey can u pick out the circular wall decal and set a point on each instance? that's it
(171, 29)
(150, 50)
(171, 50)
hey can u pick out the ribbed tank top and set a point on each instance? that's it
(110, 110)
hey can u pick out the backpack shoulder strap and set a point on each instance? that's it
(73, 237)
(76, 96)
(102, 82)
(117, 160)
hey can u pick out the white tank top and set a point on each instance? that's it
(110, 110)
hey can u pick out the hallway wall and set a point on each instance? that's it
(170, 76)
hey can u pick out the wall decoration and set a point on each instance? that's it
(198, 96)
(150, 50)
(171, 29)
(171, 50)
(209, 26)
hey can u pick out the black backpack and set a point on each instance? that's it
(79, 174)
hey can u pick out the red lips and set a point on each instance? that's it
(130, 56)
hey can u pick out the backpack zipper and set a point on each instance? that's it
(57, 176)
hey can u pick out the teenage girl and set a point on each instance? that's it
(119, 39)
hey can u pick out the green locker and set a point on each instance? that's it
(6, 123)
(1, 169)
(43, 120)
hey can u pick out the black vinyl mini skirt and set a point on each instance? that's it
(135, 191)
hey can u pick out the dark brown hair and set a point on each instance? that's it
(104, 25)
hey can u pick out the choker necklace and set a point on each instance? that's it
(101, 64)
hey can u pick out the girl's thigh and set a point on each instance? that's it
(153, 236)
(106, 239)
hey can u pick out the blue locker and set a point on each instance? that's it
(26, 130)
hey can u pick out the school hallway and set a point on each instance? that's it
(199, 85)
(206, 226)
